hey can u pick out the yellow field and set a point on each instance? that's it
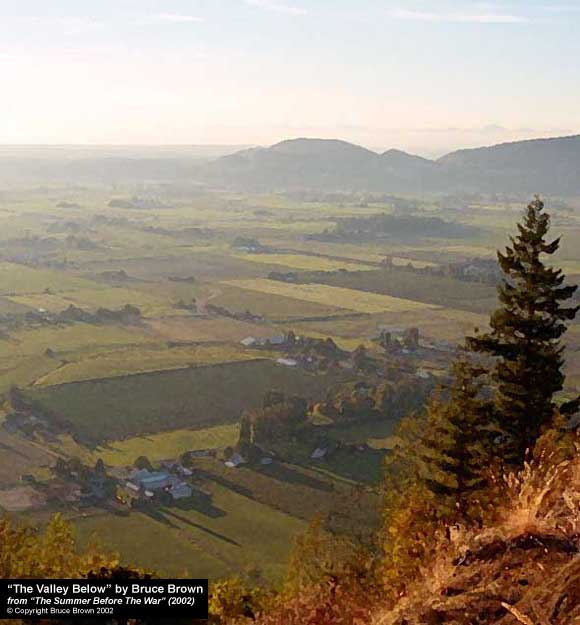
(21, 279)
(168, 444)
(304, 262)
(112, 297)
(69, 339)
(349, 299)
(141, 359)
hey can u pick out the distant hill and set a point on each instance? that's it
(543, 165)
(323, 164)
(540, 165)
(548, 166)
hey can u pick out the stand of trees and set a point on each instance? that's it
(502, 399)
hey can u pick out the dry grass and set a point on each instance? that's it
(349, 299)
(524, 566)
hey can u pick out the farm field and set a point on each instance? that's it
(349, 299)
(167, 444)
(20, 457)
(401, 283)
(73, 338)
(207, 330)
(181, 379)
(211, 543)
(307, 263)
(150, 305)
(444, 324)
(274, 308)
(19, 279)
(142, 359)
(118, 408)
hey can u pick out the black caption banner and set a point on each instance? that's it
(107, 599)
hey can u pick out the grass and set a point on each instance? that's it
(434, 324)
(273, 307)
(140, 359)
(346, 298)
(119, 408)
(150, 304)
(234, 535)
(19, 457)
(9, 307)
(207, 330)
(167, 444)
(67, 339)
(304, 262)
(20, 279)
(400, 283)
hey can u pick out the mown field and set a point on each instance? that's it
(301, 261)
(142, 358)
(235, 534)
(111, 297)
(401, 283)
(16, 279)
(347, 298)
(249, 528)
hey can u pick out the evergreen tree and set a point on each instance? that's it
(246, 430)
(525, 334)
(454, 447)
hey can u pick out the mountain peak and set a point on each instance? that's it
(314, 146)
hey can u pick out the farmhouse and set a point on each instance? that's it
(152, 482)
(235, 461)
(319, 453)
(288, 362)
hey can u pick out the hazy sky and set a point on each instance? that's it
(419, 75)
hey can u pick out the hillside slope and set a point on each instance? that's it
(321, 164)
(522, 566)
(548, 165)
(536, 166)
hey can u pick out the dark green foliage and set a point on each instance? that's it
(525, 334)
(281, 417)
(449, 451)
(142, 462)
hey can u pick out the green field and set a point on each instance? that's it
(234, 535)
(401, 283)
(118, 408)
(167, 445)
(273, 307)
(140, 359)
(19, 279)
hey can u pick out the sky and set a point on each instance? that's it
(426, 76)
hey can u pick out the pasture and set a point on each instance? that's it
(140, 359)
(275, 308)
(16, 279)
(150, 304)
(167, 444)
(437, 291)
(346, 298)
(235, 534)
(305, 262)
